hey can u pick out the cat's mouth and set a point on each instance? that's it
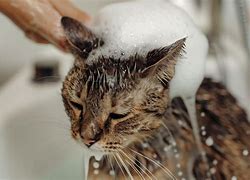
(108, 148)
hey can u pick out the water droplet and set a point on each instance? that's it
(178, 165)
(245, 152)
(180, 173)
(96, 165)
(203, 133)
(166, 148)
(177, 155)
(112, 173)
(180, 122)
(96, 171)
(234, 178)
(215, 162)
(145, 145)
(209, 141)
(202, 114)
(203, 153)
(213, 170)
(202, 128)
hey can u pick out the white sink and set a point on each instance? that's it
(35, 141)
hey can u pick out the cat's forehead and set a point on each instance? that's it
(109, 73)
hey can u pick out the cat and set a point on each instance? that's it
(123, 109)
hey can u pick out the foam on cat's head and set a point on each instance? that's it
(138, 27)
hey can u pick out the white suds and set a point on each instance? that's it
(96, 165)
(245, 152)
(209, 141)
(234, 178)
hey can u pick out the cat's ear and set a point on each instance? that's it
(161, 62)
(82, 41)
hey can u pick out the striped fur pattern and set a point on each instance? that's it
(113, 103)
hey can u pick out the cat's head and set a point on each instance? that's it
(113, 103)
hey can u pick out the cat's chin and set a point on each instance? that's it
(96, 147)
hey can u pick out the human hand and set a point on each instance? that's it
(40, 19)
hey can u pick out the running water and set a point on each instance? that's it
(151, 25)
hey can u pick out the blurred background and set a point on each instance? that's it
(26, 94)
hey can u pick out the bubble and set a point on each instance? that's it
(203, 133)
(177, 156)
(167, 148)
(180, 173)
(213, 170)
(112, 173)
(180, 122)
(96, 165)
(145, 145)
(234, 178)
(215, 162)
(209, 141)
(178, 165)
(174, 144)
(245, 152)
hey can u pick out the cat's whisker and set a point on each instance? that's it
(136, 170)
(144, 167)
(131, 165)
(165, 169)
(125, 166)
(119, 166)
(145, 172)
(169, 132)
(112, 167)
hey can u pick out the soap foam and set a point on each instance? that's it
(140, 26)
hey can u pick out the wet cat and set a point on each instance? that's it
(122, 108)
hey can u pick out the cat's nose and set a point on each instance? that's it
(89, 143)
(90, 139)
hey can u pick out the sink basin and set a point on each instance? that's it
(35, 141)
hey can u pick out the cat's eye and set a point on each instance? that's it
(117, 116)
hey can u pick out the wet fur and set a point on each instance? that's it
(225, 121)
(115, 105)
(136, 88)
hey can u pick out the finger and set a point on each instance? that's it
(67, 8)
(36, 37)
(36, 17)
